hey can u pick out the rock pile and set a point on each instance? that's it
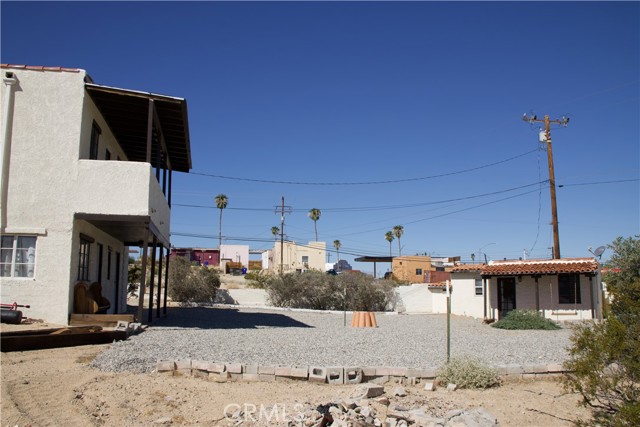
(370, 406)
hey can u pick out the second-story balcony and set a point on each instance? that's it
(123, 195)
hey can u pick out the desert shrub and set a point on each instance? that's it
(192, 284)
(466, 372)
(364, 293)
(604, 358)
(320, 291)
(525, 319)
(256, 279)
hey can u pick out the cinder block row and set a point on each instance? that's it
(222, 372)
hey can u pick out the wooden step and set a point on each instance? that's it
(106, 320)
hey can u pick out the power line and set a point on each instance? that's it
(600, 182)
(394, 181)
(383, 207)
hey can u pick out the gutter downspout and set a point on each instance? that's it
(9, 80)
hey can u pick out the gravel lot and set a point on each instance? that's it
(279, 337)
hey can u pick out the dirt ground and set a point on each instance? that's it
(57, 387)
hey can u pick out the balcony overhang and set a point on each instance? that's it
(127, 114)
(130, 229)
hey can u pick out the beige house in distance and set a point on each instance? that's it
(86, 173)
(296, 257)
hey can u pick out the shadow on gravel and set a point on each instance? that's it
(223, 318)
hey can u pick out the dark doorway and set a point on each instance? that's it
(506, 295)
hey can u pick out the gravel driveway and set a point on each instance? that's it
(283, 337)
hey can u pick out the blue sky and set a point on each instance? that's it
(337, 92)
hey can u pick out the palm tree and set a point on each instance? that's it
(337, 245)
(275, 231)
(398, 231)
(389, 238)
(314, 214)
(221, 202)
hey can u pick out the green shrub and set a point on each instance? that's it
(525, 319)
(604, 357)
(466, 372)
(192, 284)
(256, 279)
(320, 291)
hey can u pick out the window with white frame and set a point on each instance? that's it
(18, 256)
(478, 286)
(305, 259)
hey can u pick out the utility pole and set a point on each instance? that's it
(545, 136)
(282, 211)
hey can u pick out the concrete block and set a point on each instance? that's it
(183, 367)
(335, 375)
(429, 386)
(380, 371)
(282, 371)
(200, 365)
(317, 374)
(235, 377)
(267, 377)
(183, 364)
(250, 369)
(369, 371)
(251, 377)
(555, 368)
(398, 372)
(234, 368)
(300, 372)
(411, 372)
(217, 368)
(267, 369)
(451, 387)
(412, 380)
(353, 375)
(165, 366)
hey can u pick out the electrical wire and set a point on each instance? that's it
(600, 182)
(394, 181)
(384, 207)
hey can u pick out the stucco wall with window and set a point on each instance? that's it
(50, 132)
(464, 300)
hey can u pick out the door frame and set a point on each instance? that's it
(502, 282)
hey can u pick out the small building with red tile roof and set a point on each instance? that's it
(560, 289)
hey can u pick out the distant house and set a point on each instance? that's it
(86, 172)
(235, 253)
(203, 256)
(296, 257)
(560, 289)
(422, 268)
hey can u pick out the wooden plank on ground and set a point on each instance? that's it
(106, 320)
(37, 342)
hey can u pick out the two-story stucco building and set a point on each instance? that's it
(295, 257)
(86, 172)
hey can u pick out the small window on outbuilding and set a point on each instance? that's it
(418, 272)
(479, 290)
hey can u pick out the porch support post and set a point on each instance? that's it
(152, 280)
(536, 277)
(593, 308)
(488, 302)
(166, 283)
(161, 253)
(150, 129)
(485, 290)
(170, 184)
(374, 269)
(143, 274)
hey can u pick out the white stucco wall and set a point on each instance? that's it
(293, 253)
(416, 298)
(464, 301)
(235, 253)
(48, 183)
